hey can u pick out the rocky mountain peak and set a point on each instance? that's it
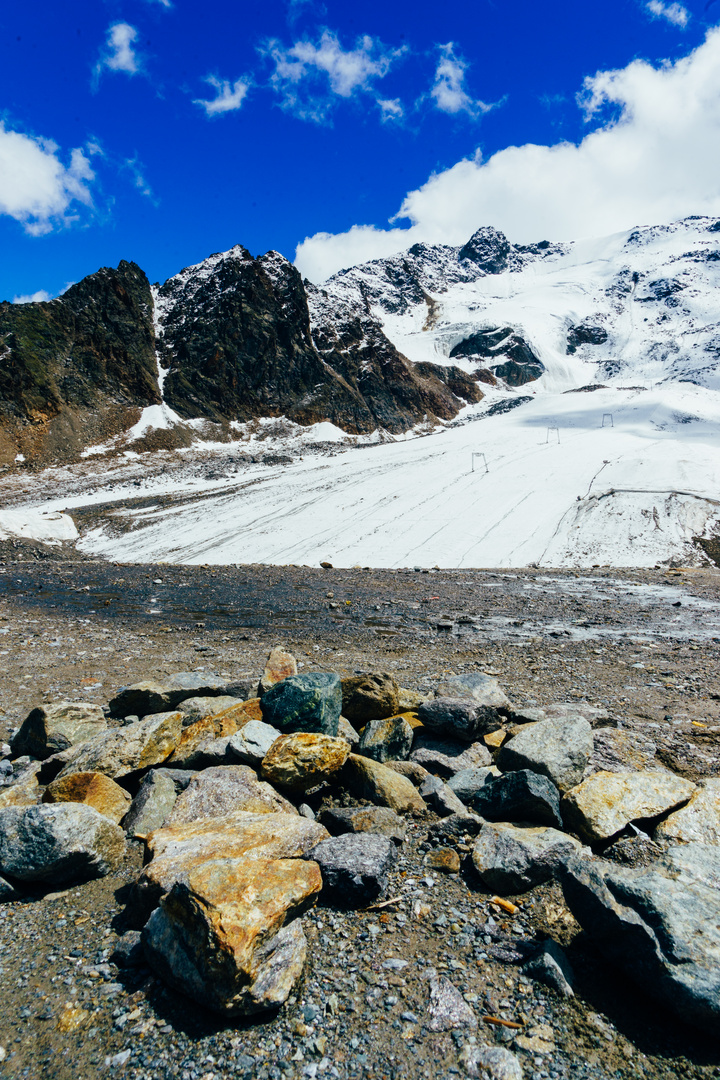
(488, 248)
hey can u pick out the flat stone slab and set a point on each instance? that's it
(605, 803)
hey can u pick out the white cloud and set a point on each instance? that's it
(36, 188)
(658, 160)
(448, 91)
(674, 13)
(230, 96)
(39, 297)
(309, 77)
(119, 54)
(391, 109)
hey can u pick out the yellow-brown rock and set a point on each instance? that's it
(382, 785)
(606, 802)
(94, 789)
(303, 760)
(127, 749)
(494, 739)
(280, 665)
(228, 933)
(444, 859)
(176, 849)
(699, 820)
(217, 726)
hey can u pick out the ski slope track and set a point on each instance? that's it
(610, 457)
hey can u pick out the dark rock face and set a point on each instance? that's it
(521, 796)
(585, 335)
(489, 249)
(510, 356)
(76, 370)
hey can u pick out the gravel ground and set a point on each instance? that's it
(78, 629)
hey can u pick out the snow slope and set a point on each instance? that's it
(612, 457)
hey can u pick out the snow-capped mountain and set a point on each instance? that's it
(572, 392)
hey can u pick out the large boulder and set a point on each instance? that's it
(228, 935)
(92, 789)
(382, 785)
(698, 820)
(127, 749)
(163, 695)
(512, 860)
(304, 703)
(520, 797)
(219, 791)
(369, 697)
(25, 789)
(605, 803)
(175, 849)
(48, 729)
(660, 925)
(212, 726)
(354, 866)
(279, 665)
(58, 843)
(302, 761)
(458, 718)
(482, 689)
(559, 749)
(620, 750)
(386, 740)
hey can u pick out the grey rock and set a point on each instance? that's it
(304, 703)
(512, 860)
(197, 708)
(251, 743)
(440, 797)
(124, 750)
(458, 719)
(660, 925)
(306, 811)
(58, 842)
(354, 866)
(367, 819)
(559, 749)
(386, 740)
(455, 827)
(51, 728)
(347, 731)
(482, 689)
(551, 967)
(606, 802)
(180, 777)
(617, 750)
(152, 805)
(468, 782)
(698, 820)
(128, 951)
(521, 796)
(446, 757)
(219, 791)
(493, 1062)
(448, 1009)
(156, 696)
(594, 715)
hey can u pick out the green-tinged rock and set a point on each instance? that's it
(304, 703)
(385, 740)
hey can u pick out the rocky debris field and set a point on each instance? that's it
(458, 824)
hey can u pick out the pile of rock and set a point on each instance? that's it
(250, 806)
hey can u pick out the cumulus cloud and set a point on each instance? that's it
(309, 77)
(391, 109)
(652, 156)
(36, 188)
(674, 13)
(448, 90)
(229, 98)
(39, 297)
(119, 53)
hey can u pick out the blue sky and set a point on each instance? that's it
(164, 130)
